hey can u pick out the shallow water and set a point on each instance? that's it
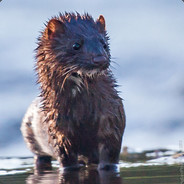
(20, 171)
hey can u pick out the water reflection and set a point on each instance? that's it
(85, 176)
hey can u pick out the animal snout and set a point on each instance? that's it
(100, 60)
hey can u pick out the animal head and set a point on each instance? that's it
(77, 44)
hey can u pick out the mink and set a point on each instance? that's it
(79, 113)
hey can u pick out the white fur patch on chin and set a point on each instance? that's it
(79, 81)
(79, 84)
(90, 73)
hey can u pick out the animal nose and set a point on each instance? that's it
(100, 60)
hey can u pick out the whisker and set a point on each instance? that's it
(65, 80)
(68, 74)
(113, 67)
(115, 63)
(71, 69)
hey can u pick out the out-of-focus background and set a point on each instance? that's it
(147, 44)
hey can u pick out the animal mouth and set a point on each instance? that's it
(92, 72)
(96, 67)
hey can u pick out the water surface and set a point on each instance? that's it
(20, 171)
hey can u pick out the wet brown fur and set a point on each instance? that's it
(85, 118)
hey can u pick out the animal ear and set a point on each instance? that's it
(54, 27)
(101, 23)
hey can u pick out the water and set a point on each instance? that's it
(20, 171)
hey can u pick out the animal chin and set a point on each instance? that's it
(93, 70)
(89, 73)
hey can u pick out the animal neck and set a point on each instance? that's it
(56, 95)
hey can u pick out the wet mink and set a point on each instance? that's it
(79, 111)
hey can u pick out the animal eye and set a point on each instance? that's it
(104, 44)
(76, 46)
